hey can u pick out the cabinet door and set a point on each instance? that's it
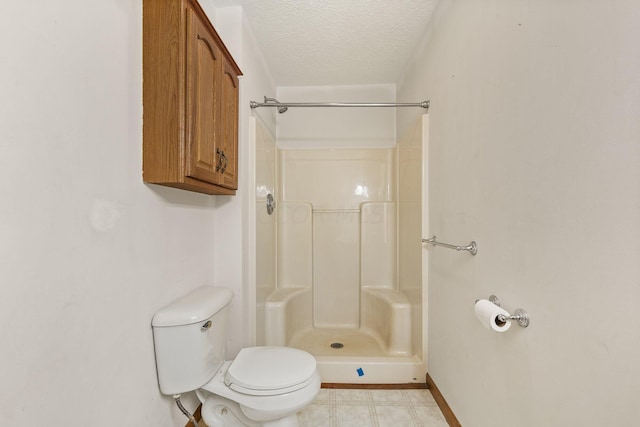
(228, 127)
(203, 72)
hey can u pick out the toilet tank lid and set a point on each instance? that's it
(194, 307)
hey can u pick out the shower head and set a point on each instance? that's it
(274, 101)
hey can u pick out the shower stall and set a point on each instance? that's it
(339, 258)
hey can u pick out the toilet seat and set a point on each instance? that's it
(261, 371)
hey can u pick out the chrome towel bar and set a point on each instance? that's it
(471, 247)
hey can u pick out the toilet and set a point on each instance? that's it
(262, 386)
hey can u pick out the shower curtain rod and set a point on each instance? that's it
(283, 106)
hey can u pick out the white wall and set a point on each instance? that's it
(236, 215)
(244, 238)
(88, 252)
(534, 153)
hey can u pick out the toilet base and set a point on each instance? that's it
(220, 412)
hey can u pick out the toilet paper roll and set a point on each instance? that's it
(487, 312)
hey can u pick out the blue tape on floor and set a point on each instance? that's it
(360, 372)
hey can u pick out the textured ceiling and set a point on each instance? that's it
(336, 42)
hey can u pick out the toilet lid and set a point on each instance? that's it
(261, 369)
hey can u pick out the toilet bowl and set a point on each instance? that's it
(262, 386)
(267, 384)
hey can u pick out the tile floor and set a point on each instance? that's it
(379, 408)
(371, 408)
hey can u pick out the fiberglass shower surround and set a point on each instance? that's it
(338, 294)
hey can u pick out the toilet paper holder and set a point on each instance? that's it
(520, 315)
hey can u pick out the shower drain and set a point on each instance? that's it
(337, 345)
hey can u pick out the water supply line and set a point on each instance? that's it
(184, 410)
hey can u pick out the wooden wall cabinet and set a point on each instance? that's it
(190, 100)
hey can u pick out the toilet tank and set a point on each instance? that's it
(189, 337)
